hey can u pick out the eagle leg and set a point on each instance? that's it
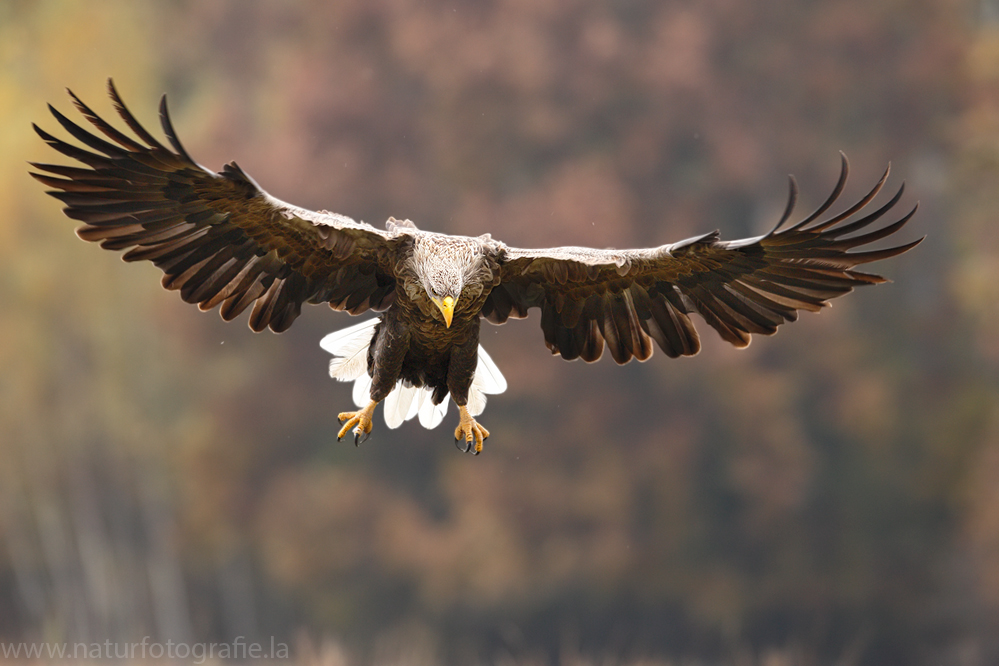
(360, 421)
(470, 432)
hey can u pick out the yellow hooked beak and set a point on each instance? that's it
(446, 306)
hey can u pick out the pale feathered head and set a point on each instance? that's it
(445, 266)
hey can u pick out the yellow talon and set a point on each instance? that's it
(469, 431)
(360, 421)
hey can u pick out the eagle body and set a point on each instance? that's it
(222, 241)
(402, 350)
(413, 342)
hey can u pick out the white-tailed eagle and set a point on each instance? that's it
(221, 240)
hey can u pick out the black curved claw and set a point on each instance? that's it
(360, 437)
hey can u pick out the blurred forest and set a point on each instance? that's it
(829, 495)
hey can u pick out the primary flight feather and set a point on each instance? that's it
(221, 240)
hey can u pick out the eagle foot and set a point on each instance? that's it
(470, 433)
(360, 421)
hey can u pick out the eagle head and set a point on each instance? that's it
(450, 270)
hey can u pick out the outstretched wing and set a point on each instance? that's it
(627, 297)
(219, 238)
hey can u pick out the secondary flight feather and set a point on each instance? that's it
(221, 240)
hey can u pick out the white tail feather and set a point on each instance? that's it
(431, 415)
(414, 408)
(488, 377)
(397, 404)
(476, 402)
(349, 347)
(350, 350)
(362, 390)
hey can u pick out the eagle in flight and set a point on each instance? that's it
(221, 240)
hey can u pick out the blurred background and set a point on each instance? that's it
(829, 495)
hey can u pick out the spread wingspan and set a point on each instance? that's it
(626, 298)
(219, 238)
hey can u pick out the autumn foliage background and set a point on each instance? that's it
(829, 495)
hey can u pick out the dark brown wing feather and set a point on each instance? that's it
(624, 298)
(219, 238)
